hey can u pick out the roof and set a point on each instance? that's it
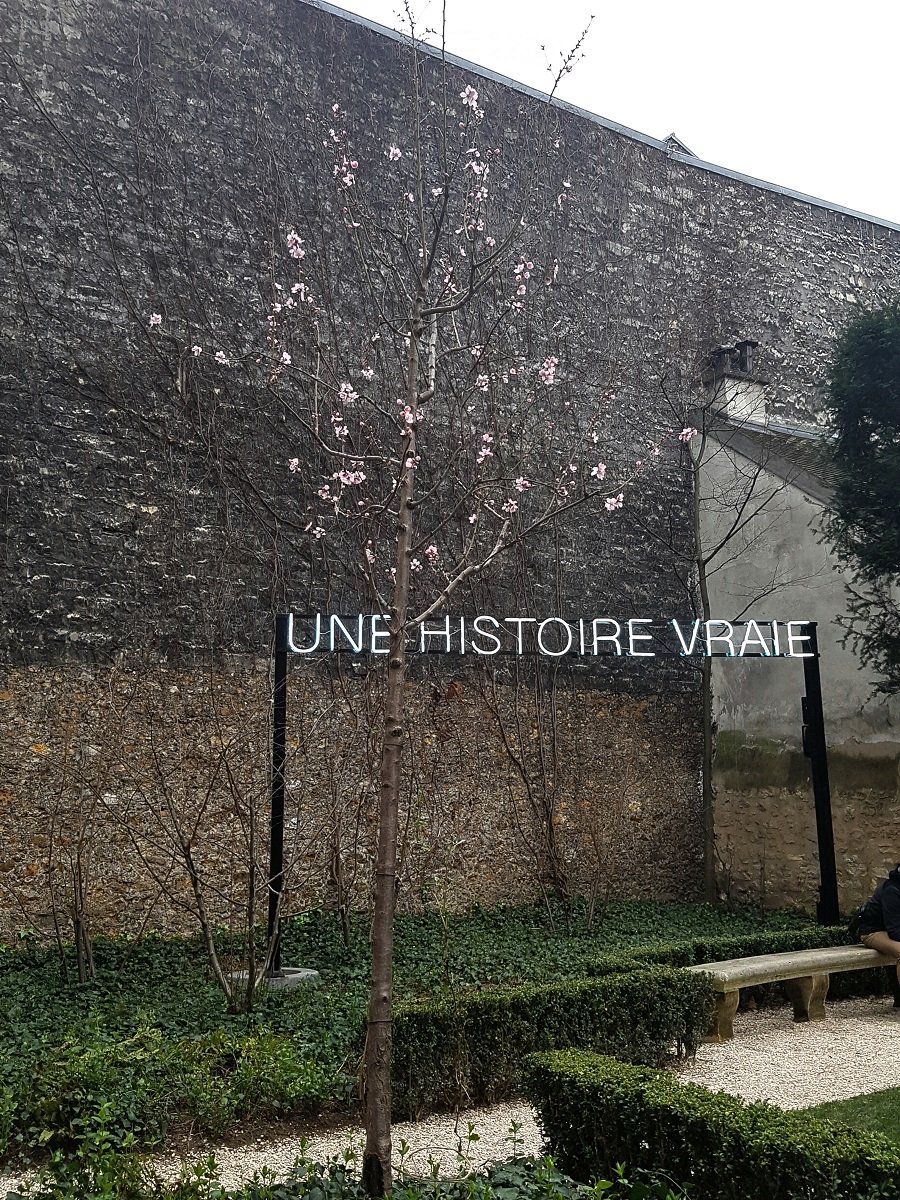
(669, 146)
(801, 457)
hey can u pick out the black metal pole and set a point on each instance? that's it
(815, 748)
(276, 821)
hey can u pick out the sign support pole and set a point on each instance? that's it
(814, 747)
(276, 820)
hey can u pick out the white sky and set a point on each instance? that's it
(803, 93)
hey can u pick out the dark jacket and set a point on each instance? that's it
(882, 910)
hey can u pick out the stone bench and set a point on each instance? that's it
(804, 972)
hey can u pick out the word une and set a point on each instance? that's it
(638, 637)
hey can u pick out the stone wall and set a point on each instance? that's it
(511, 786)
(766, 827)
(153, 157)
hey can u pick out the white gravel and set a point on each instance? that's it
(442, 1140)
(855, 1049)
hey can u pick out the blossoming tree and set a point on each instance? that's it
(445, 409)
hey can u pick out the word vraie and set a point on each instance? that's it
(637, 637)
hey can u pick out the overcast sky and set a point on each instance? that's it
(797, 92)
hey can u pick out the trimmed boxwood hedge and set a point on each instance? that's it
(469, 1050)
(874, 981)
(596, 1111)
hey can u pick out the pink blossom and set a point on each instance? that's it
(286, 358)
(687, 433)
(511, 506)
(522, 484)
(547, 370)
(350, 478)
(415, 565)
(409, 416)
(293, 464)
(469, 97)
(222, 358)
(431, 553)
(599, 472)
(324, 492)
(370, 557)
(614, 502)
(489, 241)
(482, 382)
(394, 153)
(367, 373)
(155, 319)
(196, 351)
(346, 394)
(295, 245)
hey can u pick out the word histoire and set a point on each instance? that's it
(638, 637)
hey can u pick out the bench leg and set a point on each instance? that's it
(722, 1029)
(808, 997)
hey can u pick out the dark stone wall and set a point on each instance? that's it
(153, 156)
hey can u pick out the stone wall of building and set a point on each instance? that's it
(766, 826)
(109, 772)
(154, 156)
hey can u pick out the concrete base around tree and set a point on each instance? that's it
(287, 977)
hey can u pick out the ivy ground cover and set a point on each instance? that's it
(149, 1043)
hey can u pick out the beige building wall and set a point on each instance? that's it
(779, 568)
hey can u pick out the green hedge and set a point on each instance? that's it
(715, 949)
(469, 1050)
(596, 1111)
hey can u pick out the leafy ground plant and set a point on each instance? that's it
(102, 1174)
(150, 1042)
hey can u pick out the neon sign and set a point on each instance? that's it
(553, 637)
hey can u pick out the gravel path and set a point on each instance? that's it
(855, 1049)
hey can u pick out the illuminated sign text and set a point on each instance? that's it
(553, 637)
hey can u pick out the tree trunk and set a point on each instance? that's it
(376, 1173)
(710, 887)
(707, 794)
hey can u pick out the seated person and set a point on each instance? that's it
(877, 924)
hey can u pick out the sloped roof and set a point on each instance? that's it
(801, 457)
(670, 147)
